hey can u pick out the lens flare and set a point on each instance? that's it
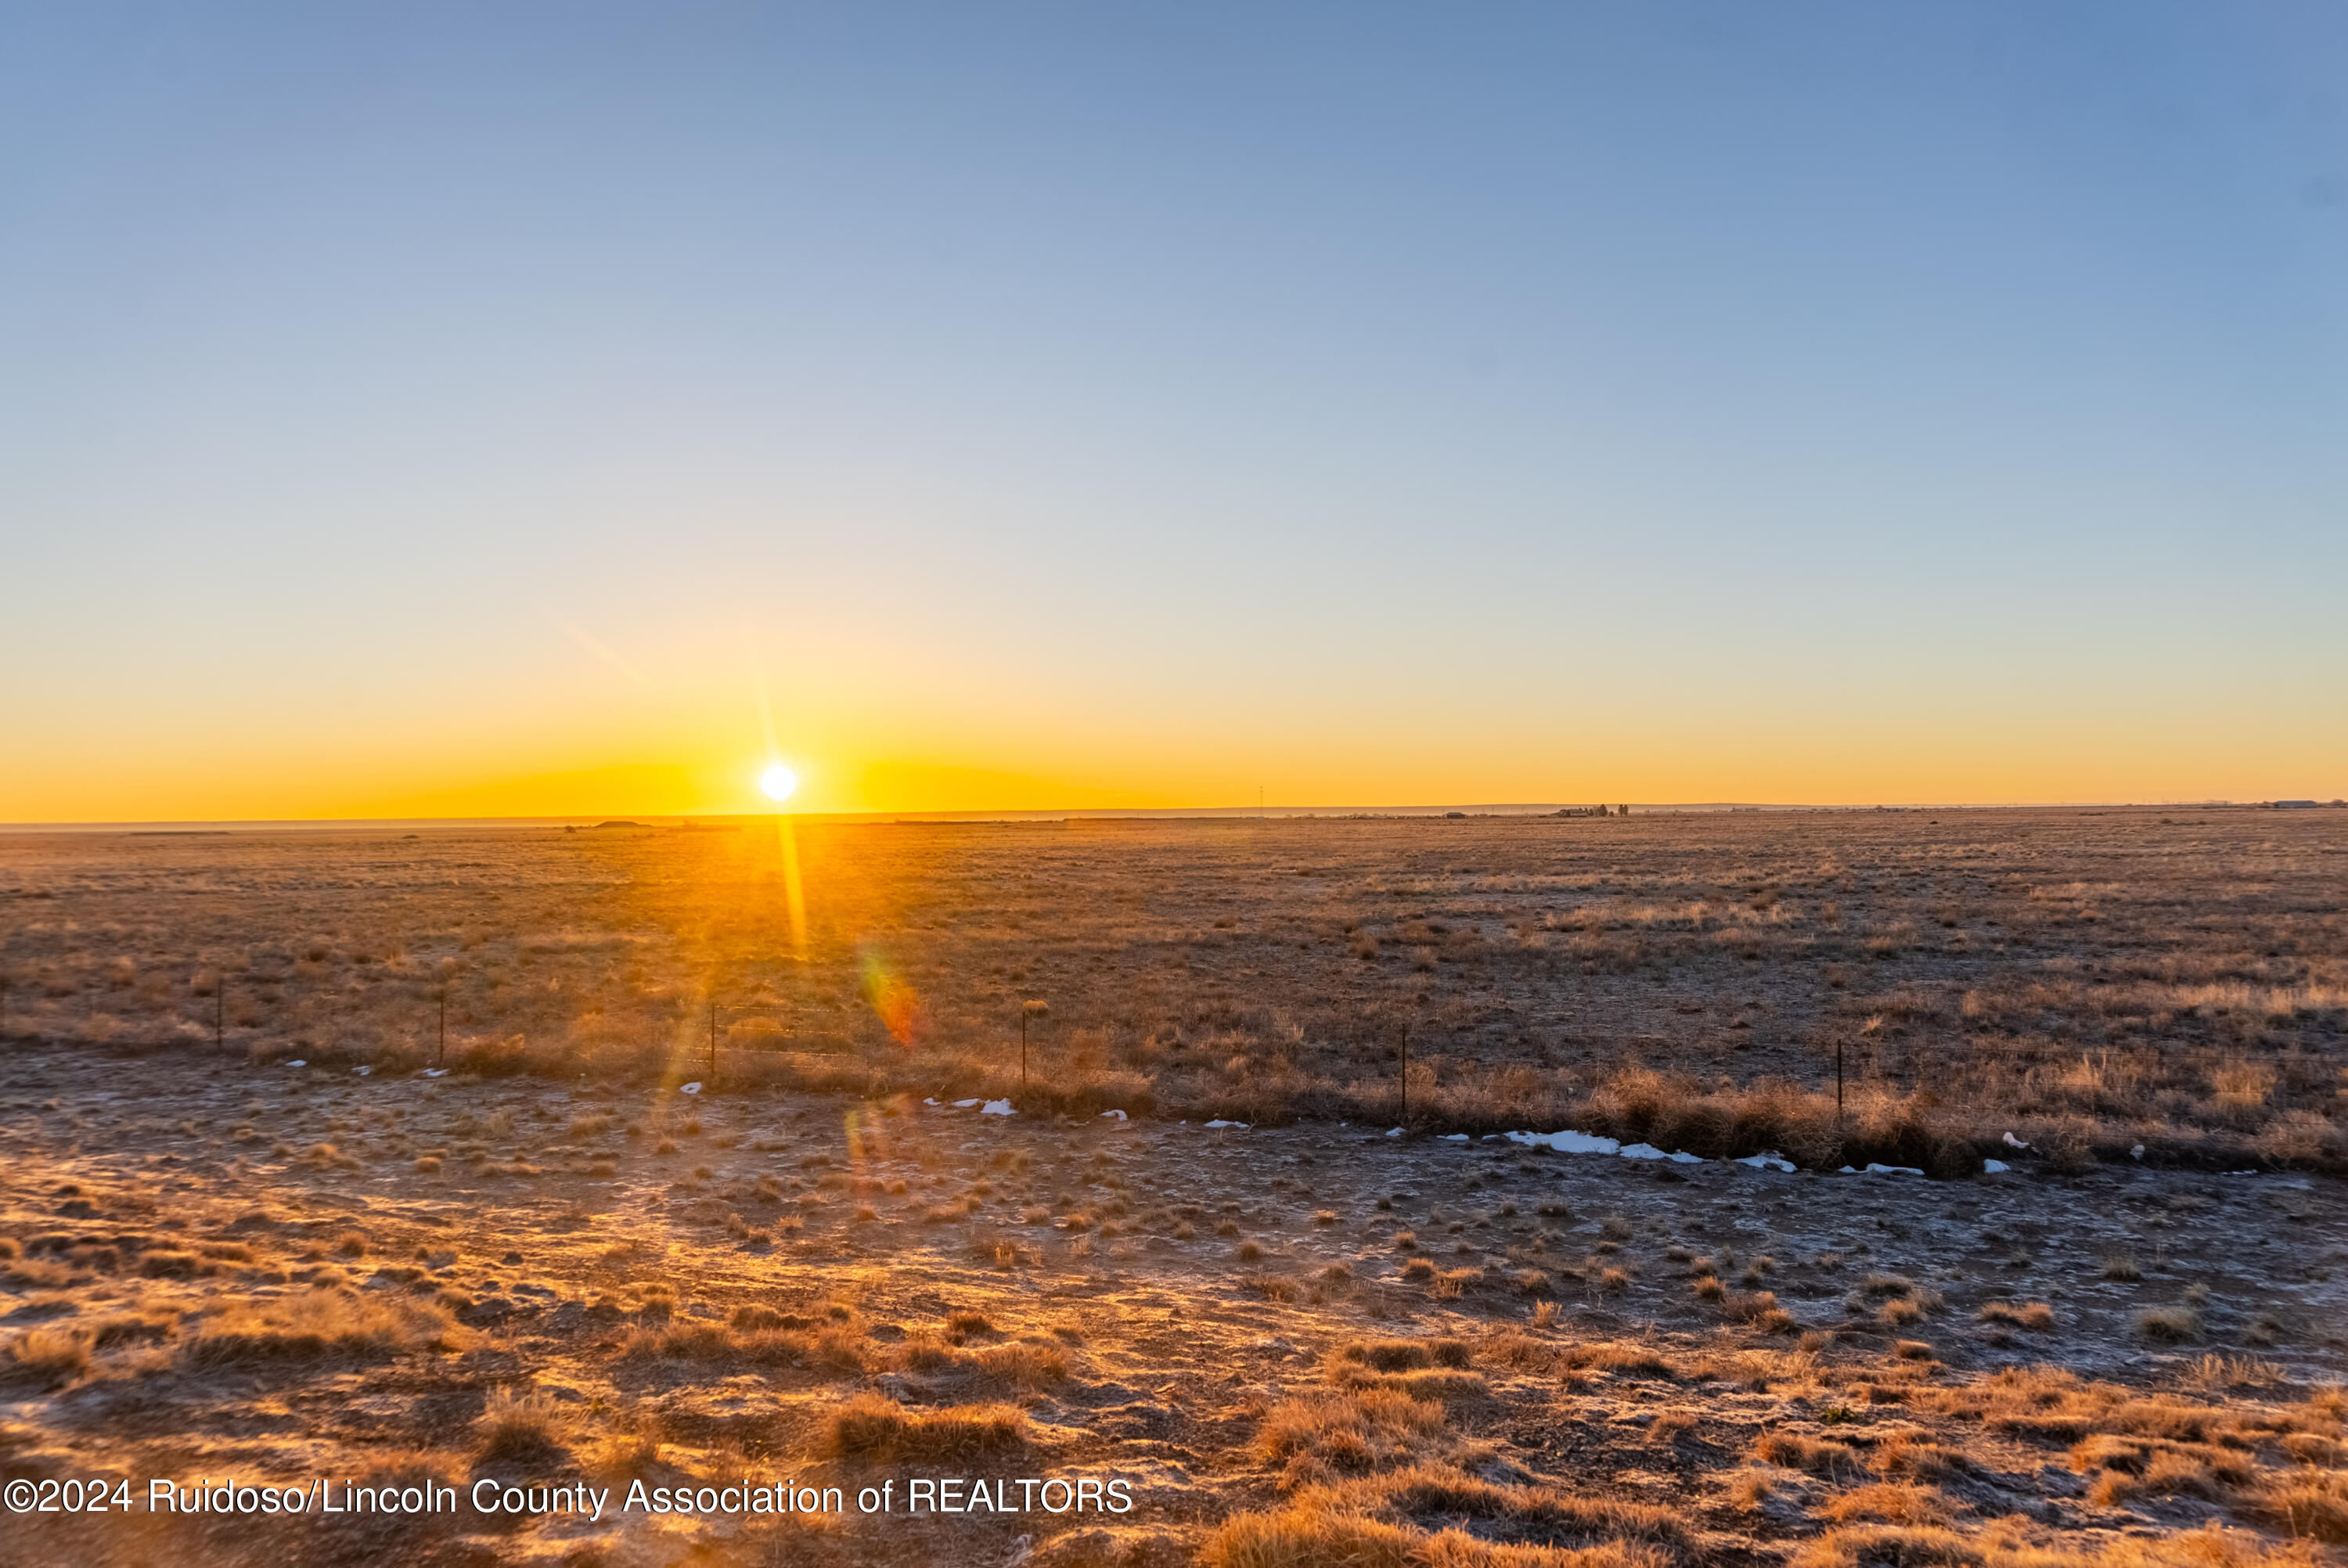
(779, 782)
(893, 998)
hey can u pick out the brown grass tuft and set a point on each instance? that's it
(314, 1325)
(869, 1427)
(524, 1427)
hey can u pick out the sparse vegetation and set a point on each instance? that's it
(870, 1428)
(1417, 1353)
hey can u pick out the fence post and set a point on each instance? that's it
(1034, 1007)
(1405, 1073)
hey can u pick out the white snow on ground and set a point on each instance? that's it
(1649, 1151)
(363, 1071)
(1571, 1143)
(997, 1108)
(2014, 1142)
(1240, 1125)
(1992, 1167)
(1568, 1143)
(297, 1065)
(929, 1102)
(964, 1104)
(429, 1072)
(1394, 1132)
(1118, 1116)
(1454, 1137)
(688, 1088)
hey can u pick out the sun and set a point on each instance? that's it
(779, 782)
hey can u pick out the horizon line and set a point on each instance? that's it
(1104, 814)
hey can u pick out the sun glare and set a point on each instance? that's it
(779, 782)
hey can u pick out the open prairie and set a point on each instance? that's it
(685, 1194)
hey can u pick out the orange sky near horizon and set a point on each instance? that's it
(1758, 760)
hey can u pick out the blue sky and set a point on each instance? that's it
(1098, 405)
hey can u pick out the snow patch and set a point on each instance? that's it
(1994, 1167)
(1114, 1115)
(297, 1065)
(1770, 1160)
(1454, 1137)
(1649, 1151)
(964, 1104)
(1567, 1142)
(2014, 1142)
(688, 1088)
(1240, 1125)
(1394, 1132)
(997, 1108)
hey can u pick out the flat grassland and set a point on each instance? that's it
(694, 1204)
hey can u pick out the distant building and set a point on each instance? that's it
(2294, 806)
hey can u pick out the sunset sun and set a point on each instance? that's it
(779, 782)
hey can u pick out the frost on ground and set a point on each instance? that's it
(1297, 1345)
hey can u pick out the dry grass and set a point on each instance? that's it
(50, 1355)
(2037, 1317)
(1915, 1546)
(2169, 1325)
(1822, 1456)
(314, 1326)
(524, 1427)
(768, 1295)
(872, 1428)
(2043, 941)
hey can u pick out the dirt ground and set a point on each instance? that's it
(1151, 1295)
(300, 1255)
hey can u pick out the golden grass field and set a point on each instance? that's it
(1297, 1341)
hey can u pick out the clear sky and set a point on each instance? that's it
(410, 409)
